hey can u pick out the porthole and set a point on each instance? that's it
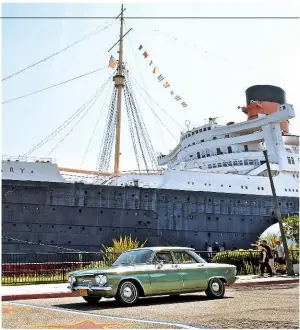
(70, 227)
(229, 186)
(85, 192)
(246, 187)
(83, 228)
(53, 209)
(52, 242)
(101, 211)
(285, 189)
(79, 210)
(100, 229)
(242, 187)
(69, 242)
(40, 226)
(262, 188)
(52, 226)
(99, 193)
(14, 225)
(208, 218)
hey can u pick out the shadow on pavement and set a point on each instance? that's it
(151, 301)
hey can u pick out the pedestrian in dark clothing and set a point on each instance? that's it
(270, 255)
(264, 260)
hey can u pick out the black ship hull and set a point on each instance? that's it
(83, 217)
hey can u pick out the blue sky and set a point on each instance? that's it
(210, 66)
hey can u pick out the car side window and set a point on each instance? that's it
(164, 257)
(184, 258)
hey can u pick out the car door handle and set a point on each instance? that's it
(201, 265)
(174, 266)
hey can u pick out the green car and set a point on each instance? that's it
(153, 271)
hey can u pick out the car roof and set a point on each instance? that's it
(165, 248)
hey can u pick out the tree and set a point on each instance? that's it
(291, 228)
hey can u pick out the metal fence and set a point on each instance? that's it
(35, 268)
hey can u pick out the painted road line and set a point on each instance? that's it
(182, 325)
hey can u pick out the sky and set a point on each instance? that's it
(208, 62)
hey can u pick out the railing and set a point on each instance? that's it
(34, 268)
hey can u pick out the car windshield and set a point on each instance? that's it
(197, 257)
(134, 257)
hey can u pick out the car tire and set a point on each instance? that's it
(92, 300)
(128, 293)
(215, 289)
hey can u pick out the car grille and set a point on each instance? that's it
(85, 280)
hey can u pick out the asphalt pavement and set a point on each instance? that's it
(252, 307)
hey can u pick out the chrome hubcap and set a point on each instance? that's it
(127, 292)
(215, 286)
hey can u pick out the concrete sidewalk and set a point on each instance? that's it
(21, 292)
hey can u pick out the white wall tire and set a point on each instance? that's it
(215, 289)
(128, 293)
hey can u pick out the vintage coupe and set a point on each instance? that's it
(153, 271)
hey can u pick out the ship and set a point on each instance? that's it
(211, 189)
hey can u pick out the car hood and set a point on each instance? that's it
(109, 270)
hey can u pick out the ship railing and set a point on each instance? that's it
(7, 158)
(34, 268)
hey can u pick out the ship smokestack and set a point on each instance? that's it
(265, 99)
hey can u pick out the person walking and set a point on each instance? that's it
(280, 256)
(270, 255)
(264, 260)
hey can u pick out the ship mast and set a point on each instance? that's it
(119, 84)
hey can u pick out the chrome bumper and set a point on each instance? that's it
(90, 288)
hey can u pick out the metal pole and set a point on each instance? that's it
(119, 83)
(290, 270)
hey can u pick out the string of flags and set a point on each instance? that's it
(161, 78)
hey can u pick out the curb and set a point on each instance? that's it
(27, 296)
(263, 282)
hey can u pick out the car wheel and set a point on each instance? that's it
(92, 300)
(216, 288)
(128, 293)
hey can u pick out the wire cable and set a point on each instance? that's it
(68, 121)
(60, 51)
(96, 125)
(52, 86)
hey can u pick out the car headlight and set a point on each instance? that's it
(72, 279)
(101, 279)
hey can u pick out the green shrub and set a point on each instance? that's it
(247, 261)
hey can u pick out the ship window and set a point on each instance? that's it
(203, 156)
(289, 160)
(292, 160)
(246, 187)
(207, 155)
(52, 226)
(214, 137)
(191, 155)
(235, 163)
(227, 136)
(230, 163)
(209, 166)
(258, 188)
(52, 241)
(31, 172)
(240, 162)
(262, 188)
(202, 141)
(214, 165)
(209, 128)
(251, 162)
(242, 187)
(229, 150)
(246, 147)
(189, 134)
(208, 218)
(193, 143)
(193, 133)
(219, 165)
(224, 164)
(53, 209)
(296, 190)
(69, 242)
(83, 228)
(79, 210)
(285, 189)
(196, 131)
(200, 130)
(204, 129)
(70, 227)
(198, 154)
(85, 192)
(246, 162)
(219, 151)
(289, 189)
(229, 186)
